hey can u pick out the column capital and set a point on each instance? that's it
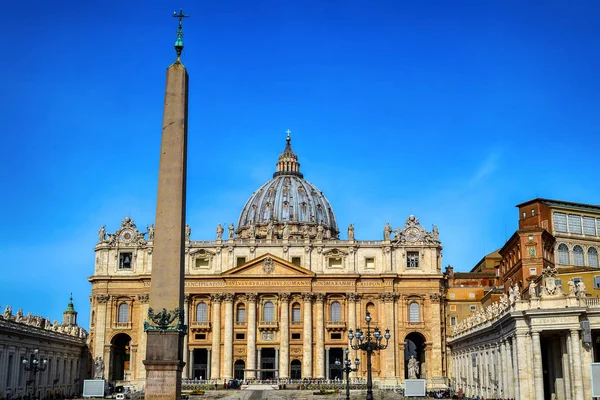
(216, 297)
(187, 297)
(144, 298)
(353, 297)
(388, 297)
(307, 297)
(284, 297)
(319, 297)
(251, 297)
(228, 297)
(102, 298)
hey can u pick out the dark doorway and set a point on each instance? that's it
(335, 371)
(119, 356)
(267, 362)
(550, 347)
(296, 370)
(200, 367)
(414, 345)
(238, 370)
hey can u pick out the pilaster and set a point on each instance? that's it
(307, 336)
(284, 346)
(215, 362)
(320, 339)
(251, 334)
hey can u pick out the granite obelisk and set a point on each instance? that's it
(164, 323)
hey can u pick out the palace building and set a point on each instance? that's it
(275, 296)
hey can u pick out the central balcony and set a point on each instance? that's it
(204, 326)
(268, 325)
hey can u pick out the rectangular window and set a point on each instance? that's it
(532, 271)
(473, 308)
(241, 314)
(574, 223)
(202, 263)
(452, 321)
(560, 222)
(240, 261)
(452, 308)
(589, 226)
(200, 336)
(125, 260)
(412, 259)
(597, 282)
(577, 280)
(295, 336)
(297, 261)
(240, 336)
(558, 283)
(369, 263)
(335, 262)
(296, 314)
(336, 336)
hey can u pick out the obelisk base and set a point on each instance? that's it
(163, 373)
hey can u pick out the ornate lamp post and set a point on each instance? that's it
(347, 369)
(368, 342)
(36, 366)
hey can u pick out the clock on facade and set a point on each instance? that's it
(126, 235)
(412, 234)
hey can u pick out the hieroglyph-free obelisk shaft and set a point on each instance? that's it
(164, 323)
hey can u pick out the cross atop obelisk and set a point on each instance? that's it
(179, 41)
(164, 324)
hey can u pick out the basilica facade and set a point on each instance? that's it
(276, 296)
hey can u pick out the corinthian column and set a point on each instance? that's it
(320, 345)
(351, 299)
(228, 339)
(390, 352)
(215, 361)
(284, 344)
(251, 344)
(307, 336)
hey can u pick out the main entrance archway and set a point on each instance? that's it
(119, 356)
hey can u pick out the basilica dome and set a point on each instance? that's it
(287, 206)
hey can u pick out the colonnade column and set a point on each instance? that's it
(191, 362)
(538, 378)
(506, 370)
(284, 344)
(251, 344)
(565, 350)
(523, 373)
(215, 361)
(307, 336)
(208, 362)
(228, 339)
(320, 342)
(576, 363)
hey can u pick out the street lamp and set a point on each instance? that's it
(347, 369)
(368, 342)
(36, 366)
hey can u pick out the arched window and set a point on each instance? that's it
(593, 257)
(413, 312)
(240, 315)
(268, 312)
(578, 256)
(563, 254)
(336, 312)
(123, 315)
(296, 312)
(201, 315)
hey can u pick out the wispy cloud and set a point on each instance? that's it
(487, 167)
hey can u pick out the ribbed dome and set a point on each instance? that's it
(287, 199)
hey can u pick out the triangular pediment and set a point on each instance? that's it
(269, 265)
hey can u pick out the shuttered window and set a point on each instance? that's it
(413, 312)
(336, 312)
(563, 254)
(578, 256)
(268, 312)
(201, 312)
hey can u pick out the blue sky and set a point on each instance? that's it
(452, 111)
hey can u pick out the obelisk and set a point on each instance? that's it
(164, 323)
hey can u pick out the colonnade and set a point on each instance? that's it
(513, 366)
